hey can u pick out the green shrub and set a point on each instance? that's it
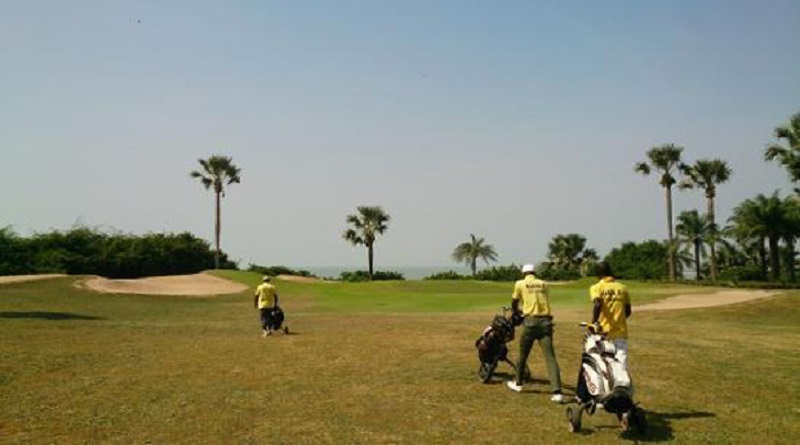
(278, 270)
(87, 251)
(742, 273)
(448, 275)
(500, 273)
(643, 261)
(363, 275)
(550, 272)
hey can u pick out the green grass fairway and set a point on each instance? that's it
(386, 362)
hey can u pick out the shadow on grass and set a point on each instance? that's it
(659, 426)
(48, 315)
(502, 377)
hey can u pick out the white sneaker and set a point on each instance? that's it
(558, 398)
(512, 385)
(264, 334)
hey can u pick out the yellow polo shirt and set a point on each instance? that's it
(266, 293)
(614, 297)
(534, 295)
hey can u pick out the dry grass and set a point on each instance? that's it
(77, 367)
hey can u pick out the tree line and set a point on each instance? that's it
(758, 242)
(88, 251)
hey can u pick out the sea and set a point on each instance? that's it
(409, 272)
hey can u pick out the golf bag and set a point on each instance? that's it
(491, 345)
(604, 381)
(274, 320)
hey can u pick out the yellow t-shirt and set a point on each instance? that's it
(534, 295)
(266, 293)
(614, 297)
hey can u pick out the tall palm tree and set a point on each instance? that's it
(470, 251)
(706, 174)
(694, 230)
(367, 225)
(766, 218)
(217, 172)
(787, 155)
(666, 160)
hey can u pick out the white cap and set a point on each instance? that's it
(266, 278)
(528, 268)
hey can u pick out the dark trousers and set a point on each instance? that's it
(266, 318)
(539, 328)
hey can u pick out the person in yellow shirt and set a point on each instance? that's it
(266, 299)
(533, 294)
(611, 309)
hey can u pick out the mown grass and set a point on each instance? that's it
(80, 367)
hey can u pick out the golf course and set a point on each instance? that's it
(378, 362)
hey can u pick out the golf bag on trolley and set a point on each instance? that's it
(604, 381)
(274, 320)
(491, 345)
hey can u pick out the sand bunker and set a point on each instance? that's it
(721, 298)
(21, 278)
(300, 279)
(195, 285)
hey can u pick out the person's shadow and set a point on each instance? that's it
(659, 425)
(48, 315)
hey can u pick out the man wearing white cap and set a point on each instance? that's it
(537, 325)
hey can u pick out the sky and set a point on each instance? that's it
(512, 120)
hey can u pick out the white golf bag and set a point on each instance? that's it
(604, 380)
(607, 380)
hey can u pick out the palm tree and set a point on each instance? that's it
(473, 249)
(791, 232)
(367, 224)
(788, 155)
(589, 259)
(751, 244)
(706, 174)
(569, 252)
(766, 218)
(666, 160)
(694, 230)
(218, 171)
(565, 250)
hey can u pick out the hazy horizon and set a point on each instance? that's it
(514, 121)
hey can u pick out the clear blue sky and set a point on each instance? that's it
(514, 120)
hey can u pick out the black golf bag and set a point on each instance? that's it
(274, 320)
(491, 345)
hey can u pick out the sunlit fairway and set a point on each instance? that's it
(386, 362)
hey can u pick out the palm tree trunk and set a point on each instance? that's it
(697, 260)
(790, 241)
(713, 243)
(774, 259)
(217, 230)
(474, 266)
(370, 256)
(671, 247)
(762, 256)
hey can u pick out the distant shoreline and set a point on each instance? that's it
(409, 272)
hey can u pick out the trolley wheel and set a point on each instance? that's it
(485, 372)
(625, 421)
(574, 419)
